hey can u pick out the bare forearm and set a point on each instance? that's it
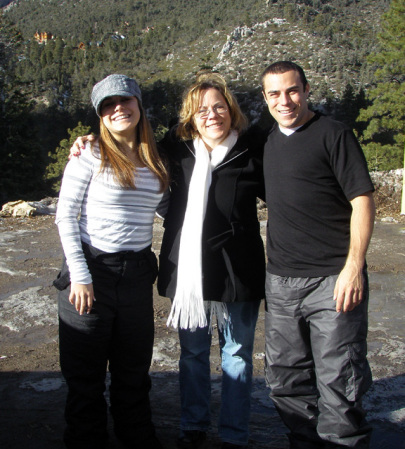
(361, 229)
(349, 285)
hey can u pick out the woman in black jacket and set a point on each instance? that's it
(212, 257)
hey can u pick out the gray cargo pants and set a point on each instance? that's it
(316, 363)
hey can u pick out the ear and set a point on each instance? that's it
(264, 96)
(307, 89)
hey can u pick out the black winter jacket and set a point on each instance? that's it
(232, 248)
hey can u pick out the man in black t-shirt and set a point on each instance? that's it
(321, 215)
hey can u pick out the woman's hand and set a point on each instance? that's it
(82, 297)
(79, 144)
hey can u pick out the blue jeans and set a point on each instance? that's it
(236, 344)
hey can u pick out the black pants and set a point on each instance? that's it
(119, 333)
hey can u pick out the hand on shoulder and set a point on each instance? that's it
(79, 144)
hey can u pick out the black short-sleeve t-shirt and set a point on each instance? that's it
(310, 177)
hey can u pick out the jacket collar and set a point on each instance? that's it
(236, 151)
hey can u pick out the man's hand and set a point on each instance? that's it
(82, 297)
(348, 291)
(79, 144)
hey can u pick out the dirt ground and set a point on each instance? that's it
(32, 390)
(41, 260)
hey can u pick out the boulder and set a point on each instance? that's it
(17, 209)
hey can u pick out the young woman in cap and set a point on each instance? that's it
(105, 215)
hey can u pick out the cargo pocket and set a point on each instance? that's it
(359, 373)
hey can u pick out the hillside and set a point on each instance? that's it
(163, 43)
(171, 39)
(53, 51)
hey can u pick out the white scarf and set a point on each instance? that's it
(189, 310)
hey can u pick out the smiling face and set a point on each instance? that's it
(120, 116)
(214, 127)
(287, 98)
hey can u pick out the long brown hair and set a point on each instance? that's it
(122, 167)
(191, 102)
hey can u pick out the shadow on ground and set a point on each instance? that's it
(32, 412)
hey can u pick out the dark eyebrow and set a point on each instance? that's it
(288, 89)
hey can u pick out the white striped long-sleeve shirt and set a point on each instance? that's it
(94, 209)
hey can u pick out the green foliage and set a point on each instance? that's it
(160, 131)
(384, 137)
(54, 171)
(138, 38)
(163, 44)
(21, 160)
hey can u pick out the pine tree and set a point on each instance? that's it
(54, 170)
(383, 140)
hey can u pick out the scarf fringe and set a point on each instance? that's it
(187, 314)
(218, 309)
(184, 317)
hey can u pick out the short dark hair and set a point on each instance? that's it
(282, 67)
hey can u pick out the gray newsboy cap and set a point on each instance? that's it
(120, 85)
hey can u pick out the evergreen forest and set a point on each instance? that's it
(53, 51)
